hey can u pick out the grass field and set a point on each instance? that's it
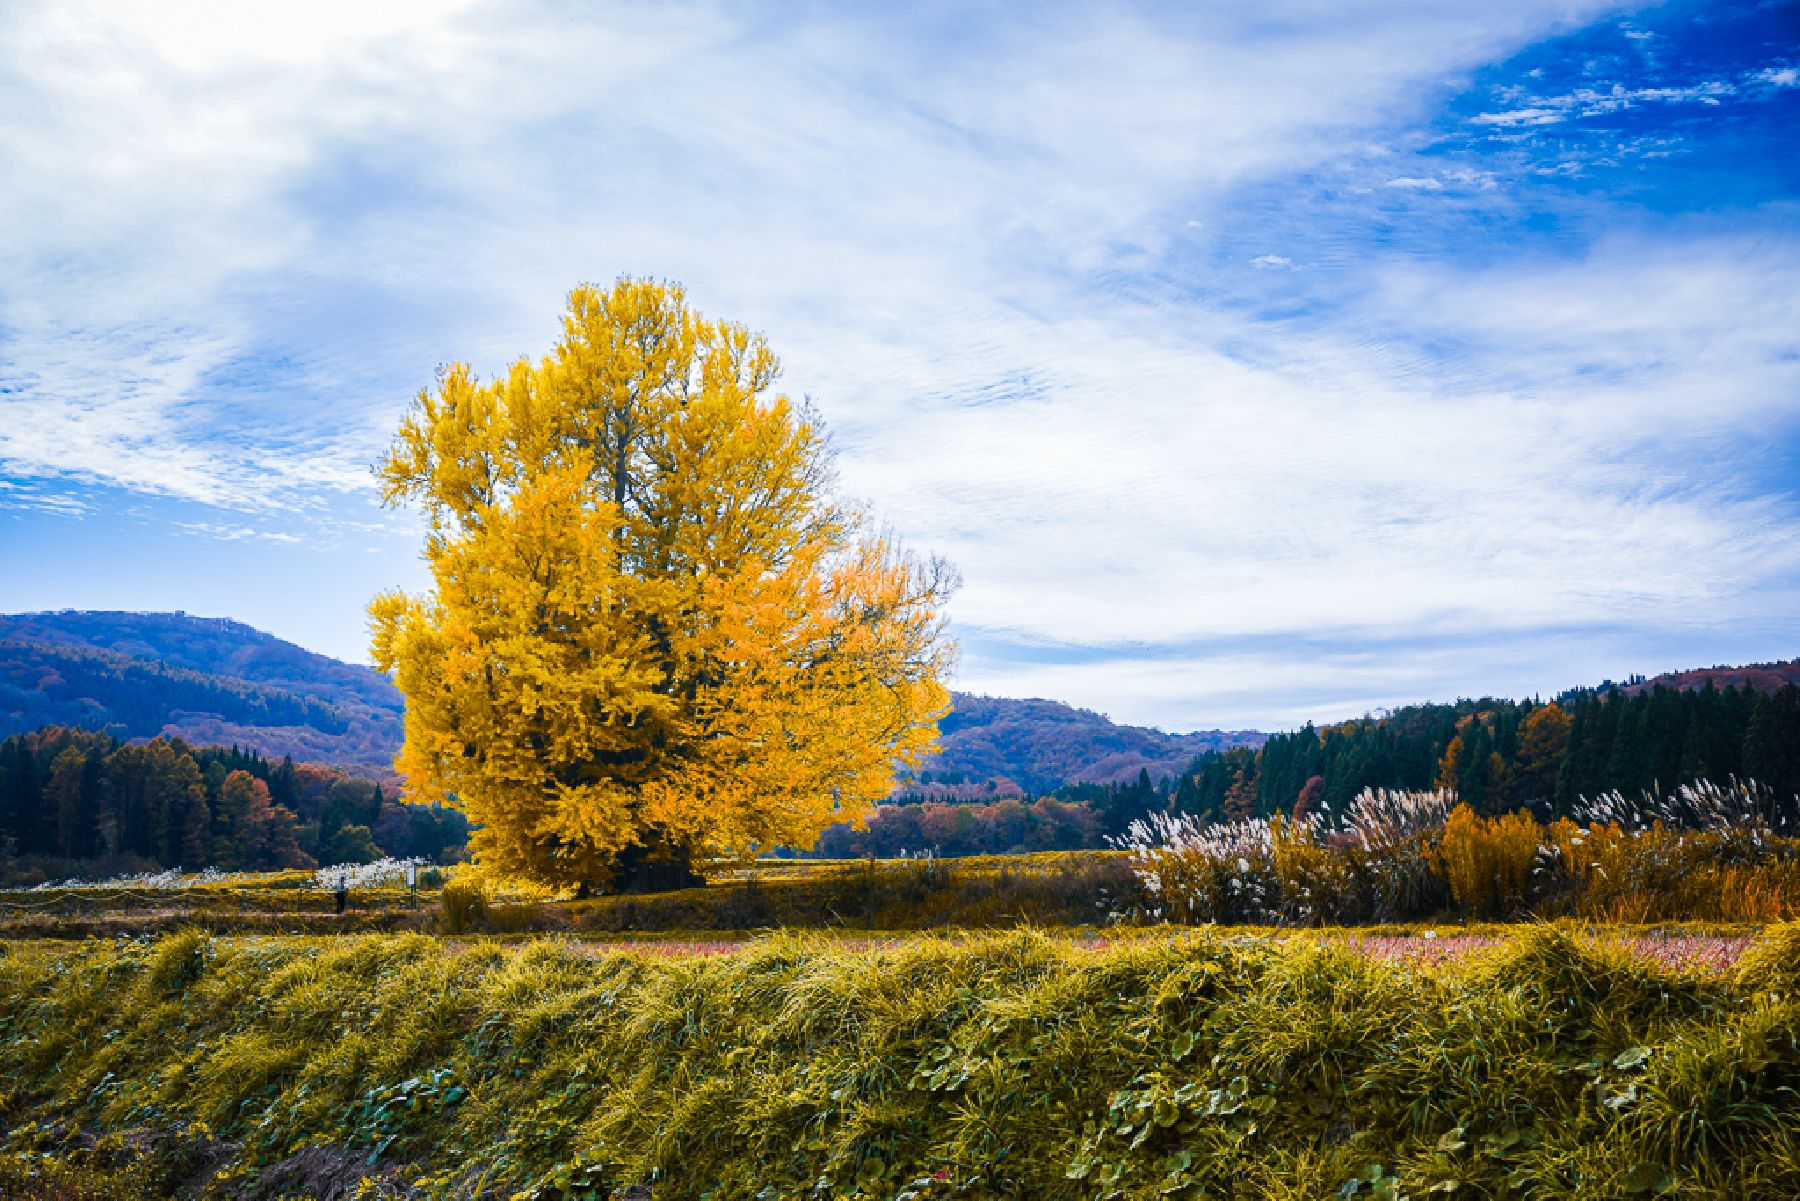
(1055, 889)
(1530, 1062)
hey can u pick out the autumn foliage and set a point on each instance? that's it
(654, 637)
(1488, 862)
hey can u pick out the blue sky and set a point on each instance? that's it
(1254, 363)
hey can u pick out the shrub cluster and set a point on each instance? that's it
(1008, 825)
(1077, 888)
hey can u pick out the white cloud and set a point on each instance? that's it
(1274, 688)
(230, 249)
(235, 533)
(1521, 116)
(30, 497)
(1198, 497)
(1598, 102)
(172, 203)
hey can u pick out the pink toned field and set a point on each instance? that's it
(1683, 952)
(1676, 952)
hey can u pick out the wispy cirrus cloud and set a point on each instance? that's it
(235, 533)
(200, 181)
(1601, 102)
(1525, 482)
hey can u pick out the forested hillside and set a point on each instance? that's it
(209, 681)
(74, 801)
(1757, 677)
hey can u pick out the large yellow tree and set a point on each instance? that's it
(655, 640)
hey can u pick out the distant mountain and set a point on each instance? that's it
(217, 682)
(208, 680)
(1041, 745)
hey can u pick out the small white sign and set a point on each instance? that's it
(412, 875)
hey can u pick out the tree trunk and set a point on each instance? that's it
(654, 866)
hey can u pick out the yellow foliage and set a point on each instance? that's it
(1450, 766)
(1660, 874)
(1487, 862)
(1543, 738)
(652, 630)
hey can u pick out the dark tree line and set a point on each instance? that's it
(79, 795)
(1079, 816)
(994, 828)
(1501, 755)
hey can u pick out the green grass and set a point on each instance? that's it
(1021, 1064)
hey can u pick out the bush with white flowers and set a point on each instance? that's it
(366, 875)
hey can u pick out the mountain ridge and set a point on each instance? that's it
(216, 681)
(207, 680)
(1042, 744)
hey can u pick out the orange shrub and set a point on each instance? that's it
(1488, 862)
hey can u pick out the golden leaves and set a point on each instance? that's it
(650, 624)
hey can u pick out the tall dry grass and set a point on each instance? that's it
(1703, 852)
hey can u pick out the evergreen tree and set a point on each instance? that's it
(26, 791)
(73, 792)
(183, 822)
(284, 789)
(18, 793)
(213, 774)
(134, 779)
(1625, 761)
(1772, 742)
(1609, 714)
(1665, 730)
(1472, 767)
